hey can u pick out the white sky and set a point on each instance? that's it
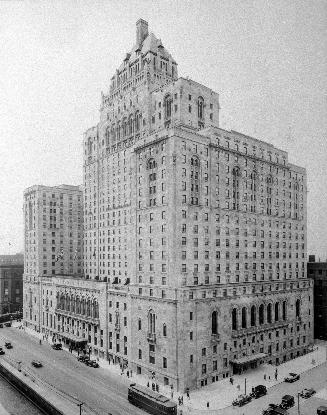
(267, 60)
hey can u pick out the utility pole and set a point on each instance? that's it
(245, 386)
(298, 403)
(80, 407)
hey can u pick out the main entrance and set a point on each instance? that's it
(247, 362)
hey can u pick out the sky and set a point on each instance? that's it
(267, 60)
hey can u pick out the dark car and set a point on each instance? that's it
(307, 393)
(274, 410)
(8, 324)
(2, 351)
(258, 391)
(36, 363)
(57, 346)
(8, 345)
(241, 400)
(322, 410)
(83, 358)
(287, 402)
(292, 377)
(92, 363)
(1, 326)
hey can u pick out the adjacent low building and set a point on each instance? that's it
(317, 271)
(11, 283)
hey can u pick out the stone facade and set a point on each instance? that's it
(195, 236)
(53, 222)
(11, 283)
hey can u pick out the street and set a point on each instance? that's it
(101, 392)
(315, 378)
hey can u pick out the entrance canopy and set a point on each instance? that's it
(73, 338)
(249, 359)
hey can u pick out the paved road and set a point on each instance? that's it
(315, 378)
(101, 391)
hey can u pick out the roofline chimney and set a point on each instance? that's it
(142, 31)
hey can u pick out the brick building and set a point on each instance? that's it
(318, 272)
(11, 283)
(194, 236)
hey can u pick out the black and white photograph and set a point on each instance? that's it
(163, 199)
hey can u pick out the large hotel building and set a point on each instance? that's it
(194, 236)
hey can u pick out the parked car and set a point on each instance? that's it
(8, 345)
(57, 346)
(241, 400)
(274, 410)
(36, 363)
(258, 391)
(307, 393)
(322, 410)
(1, 326)
(92, 363)
(2, 351)
(287, 402)
(292, 377)
(8, 324)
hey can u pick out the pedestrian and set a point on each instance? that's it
(182, 399)
(276, 374)
(179, 401)
(232, 380)
(148, 384)
(265, 377)
(188, 393)
(157, 387)
(128, 373)
(269, 377)
(40, 341)
(131, 372)
(207, 404)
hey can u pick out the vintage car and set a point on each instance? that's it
(307, 393)
(292, 377)
(287, 402)
(8, 345)
(258, 391)
(241, 400)
(36, 363)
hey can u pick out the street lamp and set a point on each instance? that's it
(298, 403)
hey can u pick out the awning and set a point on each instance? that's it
(248, 359)
(72, 337)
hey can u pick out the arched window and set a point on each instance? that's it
(200, 108)
(167, 107)
(124, 128)
(113, 134)
(107, 136)
(214, 323)
(236, 188)
(164, 330)
(137, 121)
(284, 310)
(297, 308)
(89, 146)
(118, 131)
(78, 306)
(261, 314)
(253, 187)
(269, 313)
(253, 315)
(88, 308)
(130, 125)
(151, 322)
(67, 303)
(195, 180)
(276, 311)
(234, 319)
(244, 318)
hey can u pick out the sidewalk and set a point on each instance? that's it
(221, 394)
